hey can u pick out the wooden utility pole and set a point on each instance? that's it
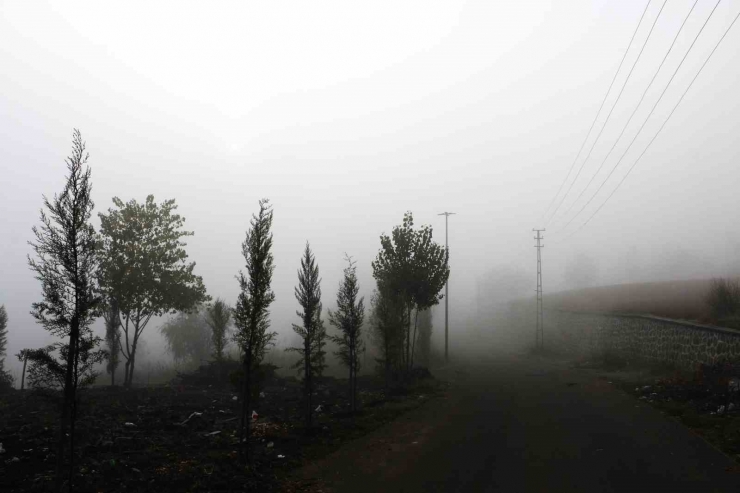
(447, 291)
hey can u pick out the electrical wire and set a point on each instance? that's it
(659, 130)
(601, 166)
(614, 168)
(606, 122)
(598, 112)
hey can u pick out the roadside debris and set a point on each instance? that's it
(128, 424)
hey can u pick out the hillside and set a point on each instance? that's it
(683, 300)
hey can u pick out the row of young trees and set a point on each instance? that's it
(136, 268)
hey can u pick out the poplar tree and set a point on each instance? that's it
(251, 314)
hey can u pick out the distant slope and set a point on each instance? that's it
(682, 300)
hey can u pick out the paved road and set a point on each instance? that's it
(519, 424)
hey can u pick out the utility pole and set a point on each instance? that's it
(540, 320)
(447, 291)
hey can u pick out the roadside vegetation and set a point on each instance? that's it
(221, 419)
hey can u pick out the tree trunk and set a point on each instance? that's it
(408, 338)
(413, 344)
(23, 374)
(67, 401)
(246, 401)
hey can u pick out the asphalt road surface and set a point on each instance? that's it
(515, 423)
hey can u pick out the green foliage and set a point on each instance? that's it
(723, 298)
(218, 318)
(387, 323)
(410, 266)
(188, 336)
(252, 314)
(144, 267)
(348, 318)
(47, 371)
(308, 294)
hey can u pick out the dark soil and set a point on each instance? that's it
(148, 439)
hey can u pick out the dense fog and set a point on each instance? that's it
(347, 116)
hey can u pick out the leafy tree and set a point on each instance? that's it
(251, 315)
(308, 294)
(112, 338)
(188, 336)
(348, 318)
(411, 266)
(218, 318)
(65, 264)
(387, 321)
(144, 268)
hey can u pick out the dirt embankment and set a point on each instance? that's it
(681, 300)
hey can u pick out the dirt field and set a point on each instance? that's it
(142, 440)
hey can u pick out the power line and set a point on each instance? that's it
(633, 112)
(600, 108)
(616, 101)
(647, 118)
(660, 129)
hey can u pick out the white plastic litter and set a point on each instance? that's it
(721, 410)
(281, 456)
(234, 398)
(255, 415)
(129, 424)
(318, 409)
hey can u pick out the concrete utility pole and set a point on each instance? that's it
(447, 292)
(540, 320)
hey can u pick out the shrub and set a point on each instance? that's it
(723, 298)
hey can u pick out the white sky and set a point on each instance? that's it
(346, 115)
